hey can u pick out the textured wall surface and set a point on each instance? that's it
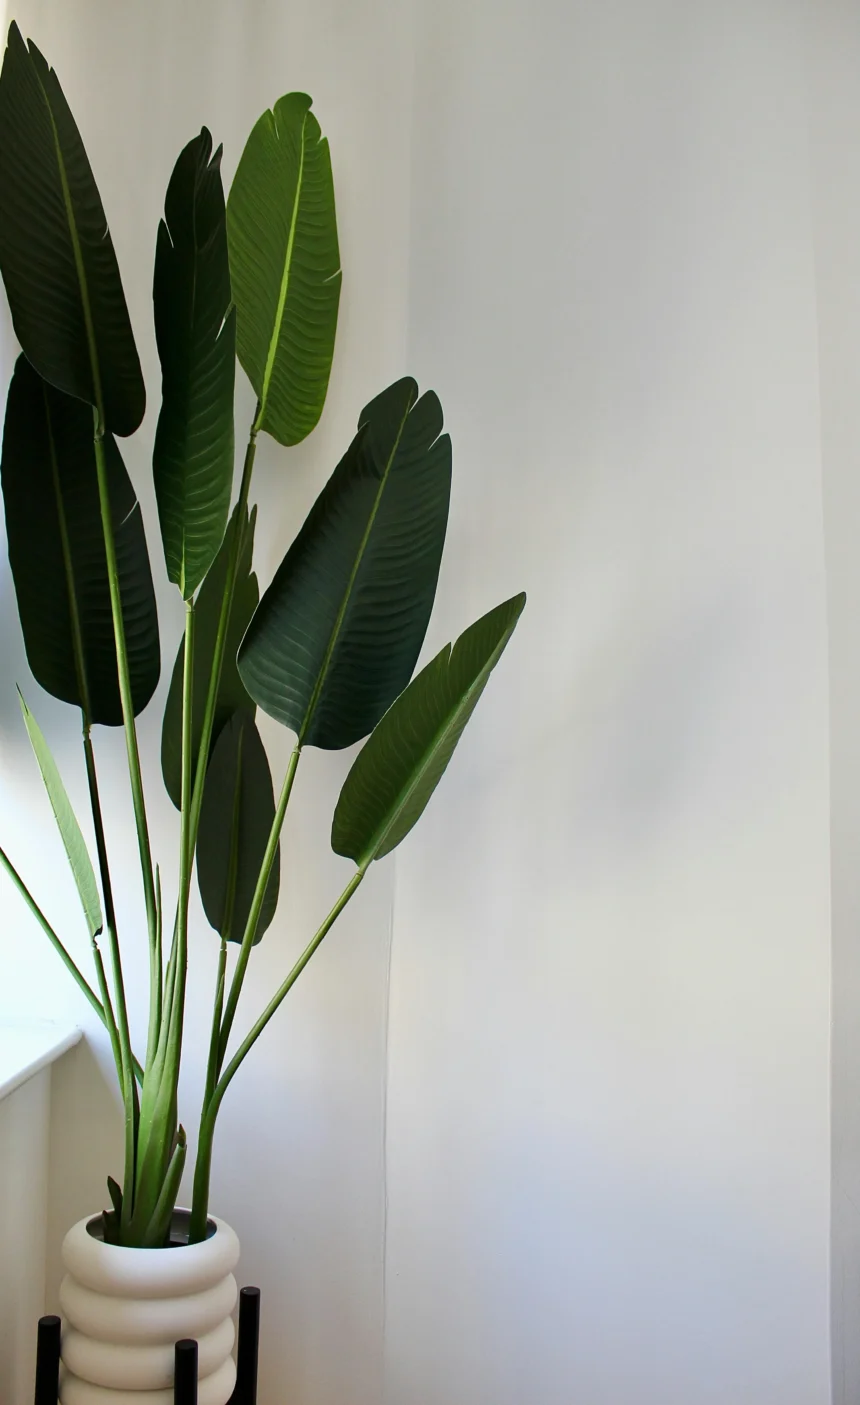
(608, 1111)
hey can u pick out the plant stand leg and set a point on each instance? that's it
(185, 1372)
(47, 1361)
(245, 1392)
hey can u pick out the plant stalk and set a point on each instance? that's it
(213, 1062)
(129, 725)
(127, 1079)
(110, 1021)
(161, 1089)
(203, 1167)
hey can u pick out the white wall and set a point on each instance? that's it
(608, 1112)
(299, 1154)
(835, 126)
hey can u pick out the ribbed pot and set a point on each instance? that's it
(124, 1309)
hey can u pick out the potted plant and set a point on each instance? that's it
(328, 650)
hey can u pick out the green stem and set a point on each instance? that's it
(221, 636)
(158, 1119)
(213, 1062)
(202, 1170)
(157, 1234)
(110, 1021)
(129, 725)
(107, 894)
(159, 930)
(64, 956)
(186, 842)
(257, 904)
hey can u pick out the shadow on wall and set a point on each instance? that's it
(86, 1140)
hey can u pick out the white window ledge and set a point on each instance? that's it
(28, 1046)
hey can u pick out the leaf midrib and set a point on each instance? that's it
(183, 572)
(341, 614)
(285, 279)
(79, 261)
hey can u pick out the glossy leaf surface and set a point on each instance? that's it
(237, 814)
(339, 630)
(56, 254)
(195, 330)
(398, 769)
(57, 553)
(285, 267)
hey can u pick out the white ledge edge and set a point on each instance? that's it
(28, 1046)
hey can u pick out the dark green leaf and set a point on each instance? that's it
(395, 774)
(195, 329)
(285, 267)
(70, 831)
(112, 1218)
(231, 694)
(56, 254)
(237, 814)
(338, 632)
(57, 553)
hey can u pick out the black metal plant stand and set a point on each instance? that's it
(185, 1374)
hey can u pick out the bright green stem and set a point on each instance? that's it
(127, 1080)
(202, 1170)
(257, 904)
(159, 929)
(221, 636)
(110, 1021)
(186, 840)
(129, 726)
(158, 1231)
(158, 1120)
(213, 1062)
(64, 956)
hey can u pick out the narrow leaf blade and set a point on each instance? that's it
(285, 267)
(232, 694)
(237, 814)
(339, 630)
(67, 824)
(56, 254)
(57, 553)
(397, 771)
(195, 332)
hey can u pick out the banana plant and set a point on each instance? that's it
(328, 650)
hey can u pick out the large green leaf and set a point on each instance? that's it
(195, 329)
(56, 254)
(70, 831)
(339, 630)
(395, 774)
(235, 820)
(285, 267)
(232, 695)
(57, 553)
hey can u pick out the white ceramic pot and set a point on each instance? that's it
(124, 1309)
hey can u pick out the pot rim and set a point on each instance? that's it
(179, 1224)
(130, 1273)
